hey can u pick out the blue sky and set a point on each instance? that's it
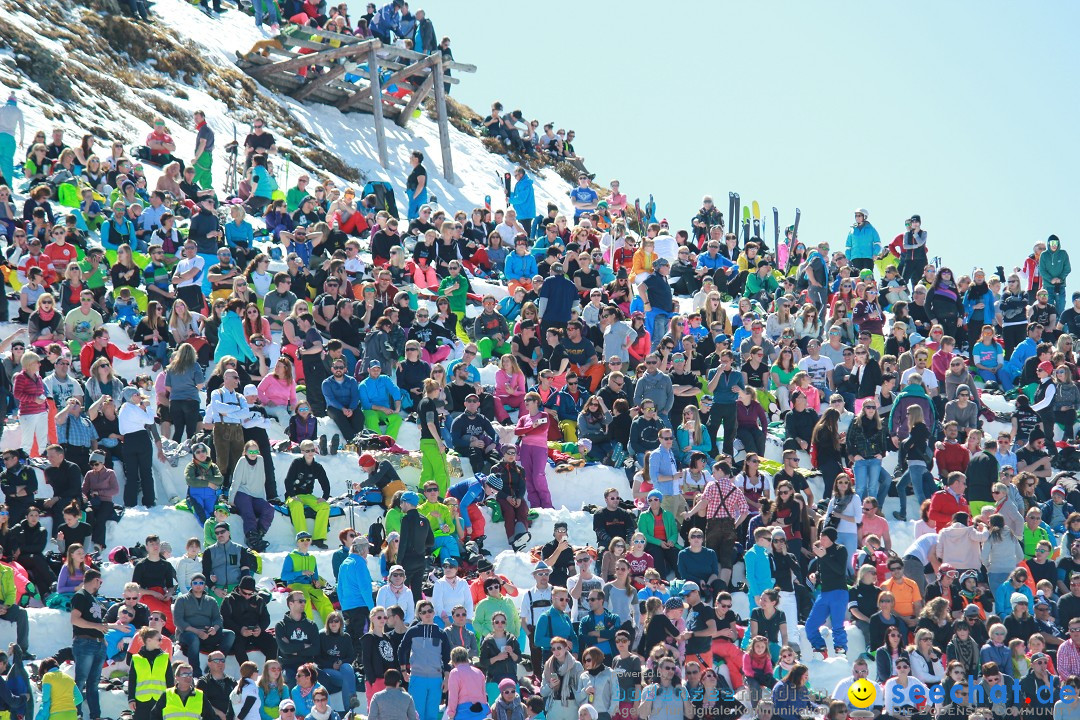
(963, 112)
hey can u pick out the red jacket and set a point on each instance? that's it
(86, 356)
(952, 457)
(943, 506)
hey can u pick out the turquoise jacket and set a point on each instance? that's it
(1054, 264)
(862, 242)
(554, 623)
(378, 391)
(231, 339)
(759, 576)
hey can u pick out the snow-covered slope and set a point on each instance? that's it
(309, 132)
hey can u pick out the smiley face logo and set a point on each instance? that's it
(862, 693)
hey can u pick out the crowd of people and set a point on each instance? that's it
(519, 341)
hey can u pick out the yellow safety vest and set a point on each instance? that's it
(61, 694)
(176, 709)
(151, 679)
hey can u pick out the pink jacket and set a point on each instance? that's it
(465, 685)
(273, 391)
(530, 432)
(517, 382)
(29, 391)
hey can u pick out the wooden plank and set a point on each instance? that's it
(414, 102)
(322, 81)
(395, 78)
(320, 58)
(444, 122)
(413, 55)
(374, 90)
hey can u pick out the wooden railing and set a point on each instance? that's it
(345, 71)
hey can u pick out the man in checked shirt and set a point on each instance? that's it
(725, 509)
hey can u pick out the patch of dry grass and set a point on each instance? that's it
(333, 164)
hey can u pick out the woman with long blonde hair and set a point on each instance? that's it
(714, 312)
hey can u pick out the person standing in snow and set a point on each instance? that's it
(11, 119)
(863, 243)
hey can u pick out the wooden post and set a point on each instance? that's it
(414, 102)
(376, 105)
(444, 123)
(363, 93)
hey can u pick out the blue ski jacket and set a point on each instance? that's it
(378, 391)
(522, 198)
(519, 267)
(862, 242)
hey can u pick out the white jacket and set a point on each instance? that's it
(446, 597)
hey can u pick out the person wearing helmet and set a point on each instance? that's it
(863, 243)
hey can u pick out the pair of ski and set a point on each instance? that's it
(751, 215)
(505, 178)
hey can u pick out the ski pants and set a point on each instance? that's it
(427, 693)
(256, 512)
(831, 604)
(533, 459)
(296, 507)
(515, 519)
(7, 157)
(1003, 376)
(138, 468)
(374, 418)
(433, 465)
(202, 164)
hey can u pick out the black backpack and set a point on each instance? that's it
(376, 535)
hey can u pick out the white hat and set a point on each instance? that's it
(862, 211)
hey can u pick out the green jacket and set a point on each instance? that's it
(8, 594)
(646, 523)
(392, 522)
(488, 607)
(294, 197)
(200, 476)
(1054, 264)
(438, 515)
(755, 284)
(459, 297)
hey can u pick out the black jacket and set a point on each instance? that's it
(982, 473)
(297, 641)
(19, 476)
(239, 612)
(417, 541)
(610, 524)
(832, 568)
(301, 478)
(800, 424)
(28, 540)
(513, 477)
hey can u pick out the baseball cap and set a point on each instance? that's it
(689, 587)
(303, 535)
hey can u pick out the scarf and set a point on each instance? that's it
(967, 652)
(946, 291)
(568, 682)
